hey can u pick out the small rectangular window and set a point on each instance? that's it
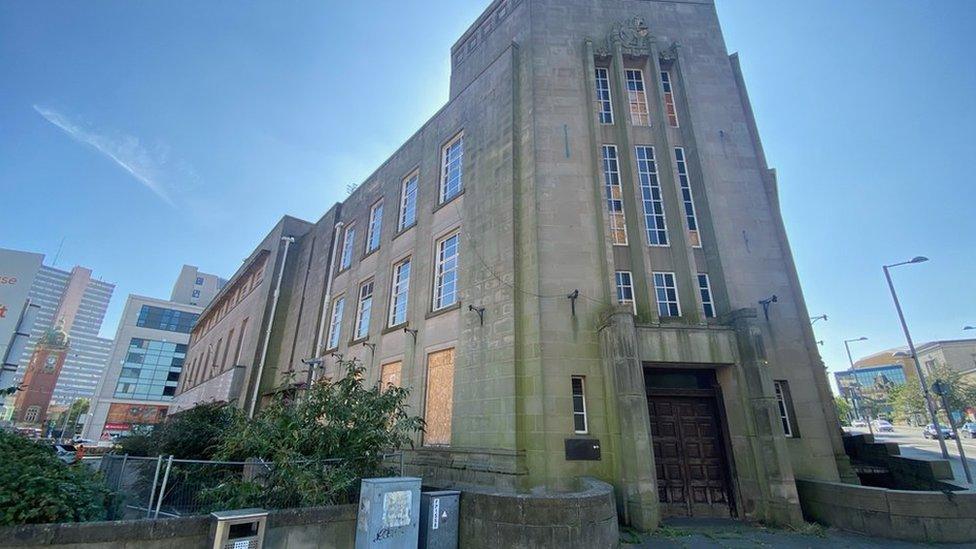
(580, 425)
(689, 202)
(705, 289)
(653, 200)
(669, 99)
(399, 292)
(408, 202)
(603, 101)
(335, 321)
(347, 246)
(451, 168)
(787, 415)
(364, 309)
(637, 98)
(615, 195)
(199, 281)
(446, 271)
(625, 289)
(667, 295)
(375, 228)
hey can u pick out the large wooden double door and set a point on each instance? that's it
(690, 457)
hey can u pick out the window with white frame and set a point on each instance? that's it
(408, 202)
(580, 425)
(653, 201)
(399, 293)
(625, 289)
(364, 309)
(637, 98)
(689, 202)
(615, 195)
(667, 295)
(375, 228)
(345, 260)
(669, 109)
(446, 271)
(705, 289)
(335, 321)
(32, 413)
(784, 401)
(451, 168)
(603, 101)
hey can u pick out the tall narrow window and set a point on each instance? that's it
(625, 289)
(451, 168)
(446, 271)
(375, 228)
(667, 295)
(705, 289)
(579, 405)
(335, 321)
(604, 104)
(784, 401)
(637, 98)
(669, 99)
(364, 309)
(686, 197)
(240, 343)
(615, 196)
(408, 202)
(399, 292)
(347, 243)
(654, 220)
(439, 404)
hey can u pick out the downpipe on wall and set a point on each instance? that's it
(288, 240)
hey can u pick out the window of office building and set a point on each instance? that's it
(408, 202)
(438, 408)
(669, 108)
(603, 101)
(689, 202)
(364, 309)
(375, 228)
(615, 198)
(199, 281)
(637, 98)
(705, 289)
(451, 168)
(580, 425)
(151, 370)
(347, 246)
(784, 401)
(667, 295)
(390, 374)
(32, 413)
(399, 292)
(625, 289)
(335, 321)
(446, 271)
(171, 320)
(653, 201)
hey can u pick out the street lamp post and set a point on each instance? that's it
(940, 388)
(857, 382)
(911, 348)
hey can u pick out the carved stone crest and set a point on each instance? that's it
(633, 36)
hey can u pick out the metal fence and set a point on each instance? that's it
(150, 487)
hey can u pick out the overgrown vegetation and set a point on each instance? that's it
(193, 434)
(908, 401)
(37, 487)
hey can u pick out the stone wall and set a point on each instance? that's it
(932, 517)
(318, 527)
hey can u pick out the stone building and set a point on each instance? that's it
(579, 267)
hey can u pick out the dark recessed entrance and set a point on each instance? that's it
(687, 434)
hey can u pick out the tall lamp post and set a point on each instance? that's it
(857, 382)
(911, 347)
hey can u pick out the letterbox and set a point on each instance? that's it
(439, 519)
(240, 529)
(389, 513)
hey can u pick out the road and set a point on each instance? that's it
(914, 445)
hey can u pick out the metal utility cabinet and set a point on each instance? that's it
(240, 529)
(389, 513)
(439, 519)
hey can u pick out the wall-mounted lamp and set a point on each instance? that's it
(572, 299)
(814, 319)
(411, 332)
(480, 311)
(765, 305)
(820, 342)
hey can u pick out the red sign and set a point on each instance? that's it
(118, 426)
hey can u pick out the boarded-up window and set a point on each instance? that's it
(440, 397)
(390, 374)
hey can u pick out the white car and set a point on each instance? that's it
(859, 423)
(883, 426)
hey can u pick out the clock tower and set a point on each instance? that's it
(41, 377)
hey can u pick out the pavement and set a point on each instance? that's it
(914, 445)
(732, 534)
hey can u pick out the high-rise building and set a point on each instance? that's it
(579, 267)
(72, 301)
(148, 355)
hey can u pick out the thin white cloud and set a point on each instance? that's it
(125, 150)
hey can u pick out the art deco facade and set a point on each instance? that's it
(577, 265)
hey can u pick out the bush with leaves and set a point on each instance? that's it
(192, 434)
(37, 487)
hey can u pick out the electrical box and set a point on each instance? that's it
(389, 513)
(240, 529)
(582, 449)
(439, 519)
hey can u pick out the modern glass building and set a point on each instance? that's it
(873, 379)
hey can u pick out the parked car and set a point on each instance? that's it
(859, 423)
(883, 426)
(66, 453)
(968, 429)
(929, 432)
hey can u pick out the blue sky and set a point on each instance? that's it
(152, 134)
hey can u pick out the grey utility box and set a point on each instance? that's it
(389, 513)
(239, 529)
(439, 519)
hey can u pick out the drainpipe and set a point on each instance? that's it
(288, 240)
(327, 296)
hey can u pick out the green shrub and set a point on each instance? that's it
(37, 487)
(191, 434)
